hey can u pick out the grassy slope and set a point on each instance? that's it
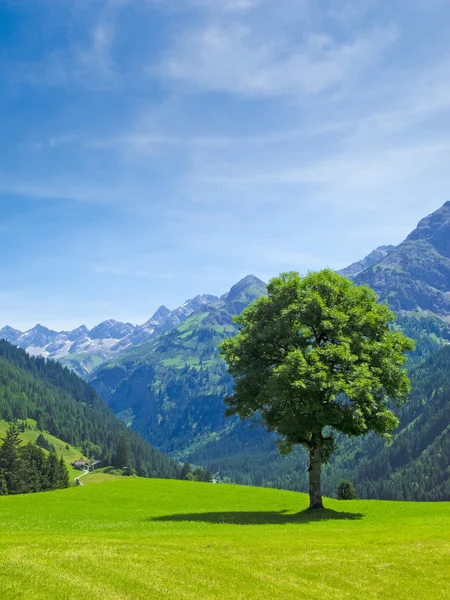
(135, 539)
(30, 435)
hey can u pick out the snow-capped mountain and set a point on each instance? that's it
(83, 350)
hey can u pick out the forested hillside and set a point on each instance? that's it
(68, 408)
(414, 466)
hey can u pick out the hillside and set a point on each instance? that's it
(140, 539)
(66, 407)
(416, 274)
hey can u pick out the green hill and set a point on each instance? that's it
(154, 539)
(66, 407)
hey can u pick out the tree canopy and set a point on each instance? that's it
(315, 356)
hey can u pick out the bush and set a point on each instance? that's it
(346, 491)
(128, 471)
(112, 471)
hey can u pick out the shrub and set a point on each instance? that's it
(128, 471)
(346, 491)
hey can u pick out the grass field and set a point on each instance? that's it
(130, 538)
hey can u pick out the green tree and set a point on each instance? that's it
(63, 474)
(3, 487)
(185, 470)
(10, 463)
(315, 356)
(122, 457)
(43, 442)
(346, 491)
(53, 474)
(33, 468)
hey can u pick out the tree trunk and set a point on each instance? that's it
(315, 468)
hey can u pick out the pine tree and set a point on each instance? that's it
(185, 470)
(52, 471)
(32, 469)
(10, 460)
(3, 488)
(122, 457)
(63, 475)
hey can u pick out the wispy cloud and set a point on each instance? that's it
(237, 60)
(60, 189)
(128, 271)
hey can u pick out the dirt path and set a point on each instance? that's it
(77, 479)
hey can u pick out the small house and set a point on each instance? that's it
(80, 464)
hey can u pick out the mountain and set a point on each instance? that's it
(369, 261)
(66, 407)
(415, 276)
(83, 350)
(171, 389)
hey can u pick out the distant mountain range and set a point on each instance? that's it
(83, 350)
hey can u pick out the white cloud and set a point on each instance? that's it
(236, 59)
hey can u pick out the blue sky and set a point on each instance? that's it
(156, 149)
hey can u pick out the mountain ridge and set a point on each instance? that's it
(415, 276)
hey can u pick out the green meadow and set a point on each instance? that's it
(130, 538)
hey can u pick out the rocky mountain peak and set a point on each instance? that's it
(162, 313)
(371, 259)
(243, 292)
(434, 229)
(111, 329)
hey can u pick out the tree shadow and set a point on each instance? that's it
(262, 518)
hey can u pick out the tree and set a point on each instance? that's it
(3, 487)
(346, 491)
(185, 470)
(53, 473)
(315, 356)
(10, 462)
(33, 469)
(63, 476)
(122, 457)
(43, 442)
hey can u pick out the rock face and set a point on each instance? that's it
(369, 261)
(416, 274)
